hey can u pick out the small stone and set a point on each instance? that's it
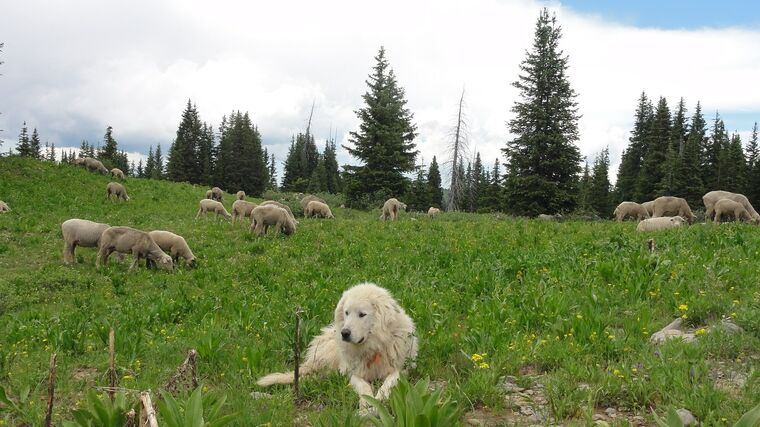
(686, 417)
(526, 410)
(730, 327)
(583, 386)
(599, 417)
(639, 420)
(474, 422)
(260, 395)
(529, 392)
(611, 412)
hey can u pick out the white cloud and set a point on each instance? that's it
(74, 68)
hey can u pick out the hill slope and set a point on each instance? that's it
(557, 304)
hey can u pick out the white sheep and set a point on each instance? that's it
(308, 198)
(217, 194)
(242, 209)
(264, 216)
(240, 195)
(318, 209)
(660, 223)
(95, 165)
(117, 173)
(391, 207)
(117, 190)
(4, 207)
(280, 205)
(208, 205)
(174, 245)
(433, 211)
(127, 240)
(80, 232)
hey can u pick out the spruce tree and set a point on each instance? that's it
(584, 190)
(657, 141)
(51, 153)
(494, 197)
(184, 160)
(599, 188)
(418, 196)
(476, 184)
(206, 155)
(139, 171)
(150, 164)
(690, 168)
(633, 155)
(240, 163)
(435, 192)
(714, 158)
(318, 180)
(331, 167)
(36, 145)
(735, 166)
(110, 149)
(543, 161)
(384, 141)
(24, 148)
(753, 168)
(158, 168)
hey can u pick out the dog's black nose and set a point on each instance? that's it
(346, 334)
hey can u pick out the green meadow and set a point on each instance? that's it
(569, 306)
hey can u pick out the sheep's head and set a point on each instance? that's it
(402, 205)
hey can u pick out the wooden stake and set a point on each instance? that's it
(297, 353)
(130, 419)
(111, 365)
(51, 390)
(651, 245)
(147, 413)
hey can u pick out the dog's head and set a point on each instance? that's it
(362, 310)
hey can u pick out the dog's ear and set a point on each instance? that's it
(386, 310)
(339, 310)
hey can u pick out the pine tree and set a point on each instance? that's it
(384, 141)
(51, 154)
(633, 156)
(139, 172)
(494, 197)
(318, 180)
(599, 188)
(690, 168)
(272, 173)
(657, 141)
(36, 145)
(435, 192)
(184, 161)
(714, 158)
(150, 164)
(206, 155)
(240, 163)
(475, 186)
(468, 188)
(673, 182)
(158, 168)
(418, 196)
(331, 167)
(753, 168)
(110, 147)
(24, 148)
(542, 160)
(584, 190)
(735, 165)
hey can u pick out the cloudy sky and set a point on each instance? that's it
(73, 68)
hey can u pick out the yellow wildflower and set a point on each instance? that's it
(700, 331)
(483, 365)
(579, 316)
(476, 357)
(683, 307)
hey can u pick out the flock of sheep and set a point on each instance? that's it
(668, 212)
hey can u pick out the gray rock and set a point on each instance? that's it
(730, 327)
(686, 417)
(611, 412)
(259, 395)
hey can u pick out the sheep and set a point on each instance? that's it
(210, 194)
(630, 210)
(117, 173)
(728, 207)
(242, 209)
(4, 207)
(391, 208)
(547, 217)
(433, 211)
(127, 240)
(216, 194)
(80, 232)
(280, 205)
(660, 223)
(308, 198)
(264, 216)
(712, 197)
(672, 206)
(649, 206)
(315, 208)
(174, 245)
(95, 165)
(117, 190)
(240, 195)
(207, 205)
(79, 161)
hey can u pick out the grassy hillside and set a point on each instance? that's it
(566, 308)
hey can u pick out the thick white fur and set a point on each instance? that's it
(379, 344)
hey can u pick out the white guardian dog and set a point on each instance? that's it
(370, 339)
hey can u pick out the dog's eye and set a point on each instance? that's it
(362, 314)
(346, 312)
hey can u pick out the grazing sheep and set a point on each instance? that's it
(117, 190)
(268, 215)
(308, 198)
(672, 206)
(216, 194)
(174, 245)
(280, 205)
(242, 209)
(4, 207)
(318, 209)
(209, 195)
(660, 223)
(649, 206)
(240, 195)
(95, 165)
(79, 161)
(711, 198)
(547, 217)
(728, 207)
(117, 173)
(127, 240)
(433, 211)
(80, 232)
(391, 208)
(630, 210)
(207, 205)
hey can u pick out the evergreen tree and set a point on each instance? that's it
(272, 173)
(753, 168)
(36, 145)
(24, 147)
(468, 188)
(633, 156)
(542, 160)
(689, 171)
(493, 197)
(714, 159)
(331, 167)
(184, 161)
(599, 186)
(435, 192)
(110, 148)
(735, 176)
(584, 190)
(150, 164)
(158, 169)
(384, 142)
(418, 196)
(657, 141)
(206, 155)
(318, 180)
(476, 184)
(139, 172)
(240, 162)
(51, 153)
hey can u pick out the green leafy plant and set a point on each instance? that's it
(415, 406)
(190, 412)
(750, 419)
(23, 408)
(101, 412)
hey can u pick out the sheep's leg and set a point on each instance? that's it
(103, 255)
(68, 252)
(136, 263)
(199, 213)
(362, 388)
(388, 384)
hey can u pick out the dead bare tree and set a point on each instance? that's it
(456, 151)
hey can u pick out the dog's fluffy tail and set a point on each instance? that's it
(321, 354)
